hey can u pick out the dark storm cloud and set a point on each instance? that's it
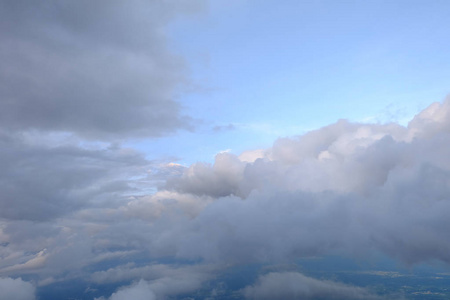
(100, 69)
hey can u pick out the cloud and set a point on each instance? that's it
(292, 285)
(138, 291)
(312, 161)
(16, 289)
(220, 128)
(251, 156)
(41, 182)
(346, 187)
(158, 281)
(78, 75)
(36, 262)
(82, 210)
(157, 273)
(152, 207)
(221, 179)
(100, 70)
(432, 120)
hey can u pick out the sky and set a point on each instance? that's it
(270, 69)
(212, 149)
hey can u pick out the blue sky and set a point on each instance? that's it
(214, 149)
(279, 69)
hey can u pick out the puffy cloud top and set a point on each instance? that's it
(356, 187)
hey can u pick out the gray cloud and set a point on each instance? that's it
(76, 74)
(100, 70)
(16, 289)
(292, 285)
(41, 181)
(221, 179)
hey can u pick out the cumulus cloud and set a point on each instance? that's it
(100, 70)
(16, 289)
(349, 187)
(292, 285)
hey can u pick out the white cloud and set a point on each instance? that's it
(251, 156)
(432, 120)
